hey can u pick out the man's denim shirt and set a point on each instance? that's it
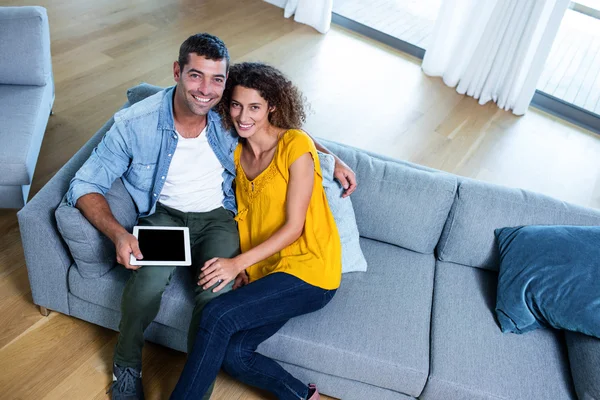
(139, 148)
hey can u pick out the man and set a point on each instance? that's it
(176, 161)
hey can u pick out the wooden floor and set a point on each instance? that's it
(362, 93)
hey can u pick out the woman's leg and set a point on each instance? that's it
(271, 300)
(244, 364)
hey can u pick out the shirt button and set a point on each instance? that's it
(170, 155)
(154, 194)
(162, 177)
(148, 167)
(174, 136)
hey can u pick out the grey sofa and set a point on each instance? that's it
(418, 324)
(26, 98)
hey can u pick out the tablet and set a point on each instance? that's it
(163, 245)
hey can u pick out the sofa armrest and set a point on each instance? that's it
(46, 254)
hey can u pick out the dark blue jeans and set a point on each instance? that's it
(235, 323)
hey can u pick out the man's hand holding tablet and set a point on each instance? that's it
(128, 248)
(161, 245)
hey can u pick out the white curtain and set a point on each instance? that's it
(316, 13)
(494, 49)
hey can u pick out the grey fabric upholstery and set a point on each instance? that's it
(338, 334)
(468, 237)
(390, 302)
(472, 359)
(46, 254)
(25, 46)
(176, 305)
(412, 204)
(156, 332)
(93, 252)
(584, 358)
(141, 91)
(24, 112)
(378, 338)
(26, 98)
(13, 196)
(341, 388)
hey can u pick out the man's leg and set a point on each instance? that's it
(219, 238)
(141, 299)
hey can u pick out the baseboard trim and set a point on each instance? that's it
(374, 34)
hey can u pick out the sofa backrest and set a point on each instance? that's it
(398, 202)
(480, 208)
(25, 46)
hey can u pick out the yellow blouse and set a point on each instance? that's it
(316, 256)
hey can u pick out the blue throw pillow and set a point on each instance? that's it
(353, 259)
(549, 276)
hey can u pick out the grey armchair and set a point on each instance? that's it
(26, 98)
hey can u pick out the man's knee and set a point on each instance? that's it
(145, 289)
(142, 300)
(203, 297)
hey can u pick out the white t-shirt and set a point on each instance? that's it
(194, 182)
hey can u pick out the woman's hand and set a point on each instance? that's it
(241, 280)
(218, 271)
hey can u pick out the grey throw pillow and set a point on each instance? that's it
(93, 252)
(353, 259)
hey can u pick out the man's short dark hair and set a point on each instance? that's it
(205, 45)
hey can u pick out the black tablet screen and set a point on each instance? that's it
(161, 244)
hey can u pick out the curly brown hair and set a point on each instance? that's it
(273, 86)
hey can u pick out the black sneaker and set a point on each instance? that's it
(127, 384)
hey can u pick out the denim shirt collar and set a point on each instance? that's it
(165, 115)
(222, 141)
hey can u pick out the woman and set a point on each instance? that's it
(291, 254)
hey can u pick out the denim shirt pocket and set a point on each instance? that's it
(141, 175)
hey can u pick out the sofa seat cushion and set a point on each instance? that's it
(356, 336)
(24, 112)
(473, 359)
(176, 305)
(376, 328)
